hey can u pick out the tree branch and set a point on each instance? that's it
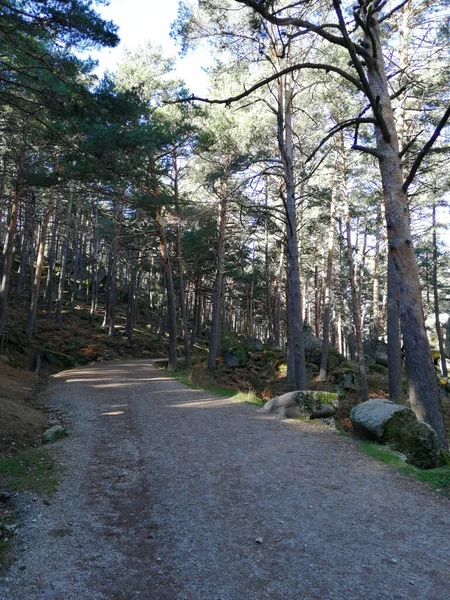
(265, 81)
(419, 158)
(367, 150)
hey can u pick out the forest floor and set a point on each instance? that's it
(168, 493)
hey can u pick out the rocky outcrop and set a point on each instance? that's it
(384, 422)
(303, 403)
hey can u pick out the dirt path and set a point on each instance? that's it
(165, 491)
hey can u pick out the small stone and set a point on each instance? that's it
(259, 540)
(394, 561)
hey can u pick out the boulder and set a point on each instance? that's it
(396, 425)
(53, 434)
(253, 344)
(376, 349)
(235, 357)
(303, 403)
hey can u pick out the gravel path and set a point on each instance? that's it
(171, 494)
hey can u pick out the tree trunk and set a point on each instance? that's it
(172, 319)
(277, 324)
(94, 277)
(183, 311)
(39, 266)
(51, 269)
(285, 144)
(376, 276)
(422, 382)
(327, 299)
(8, 247)
(436, 298)
(356, 309)
(65, 250)
(129, 327)
(217, 291)
(394, 350)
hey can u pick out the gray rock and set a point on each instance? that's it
(53, 434)
(397, 426)
(376, 349)
(235, 357)
(253, 344)
(303, 402)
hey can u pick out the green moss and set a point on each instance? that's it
(327, 398)
(33, 470)
(436, 478)
(413, 438)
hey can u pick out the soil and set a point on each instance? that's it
(171, 494)
(21, 423)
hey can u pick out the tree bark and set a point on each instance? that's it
(356, 309)
(285, 144)
(436, 298)
(329, 272)
(65, 250)
(8, 247)
(172, 320)
(217, 291)
(376, 276)
(51, 268)
(39, 266)
(422, 382)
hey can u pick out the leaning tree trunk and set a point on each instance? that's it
(217, 291)
(422, 382)
(39, 266)
(436, 299)
(171, 308)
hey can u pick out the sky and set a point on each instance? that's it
(141, 21)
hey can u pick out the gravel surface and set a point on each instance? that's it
(169, 493)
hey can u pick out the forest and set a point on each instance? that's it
(306, 197)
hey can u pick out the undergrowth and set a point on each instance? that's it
(198, 378)
(438, 479)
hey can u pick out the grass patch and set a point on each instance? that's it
(437, 479)
(198, 378)
(33, 470)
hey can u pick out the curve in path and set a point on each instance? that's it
(169, 493)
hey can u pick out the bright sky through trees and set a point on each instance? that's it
(140, 22)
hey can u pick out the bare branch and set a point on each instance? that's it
(419, 158)
(265, 81)
(336, 129)
(367, 150)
